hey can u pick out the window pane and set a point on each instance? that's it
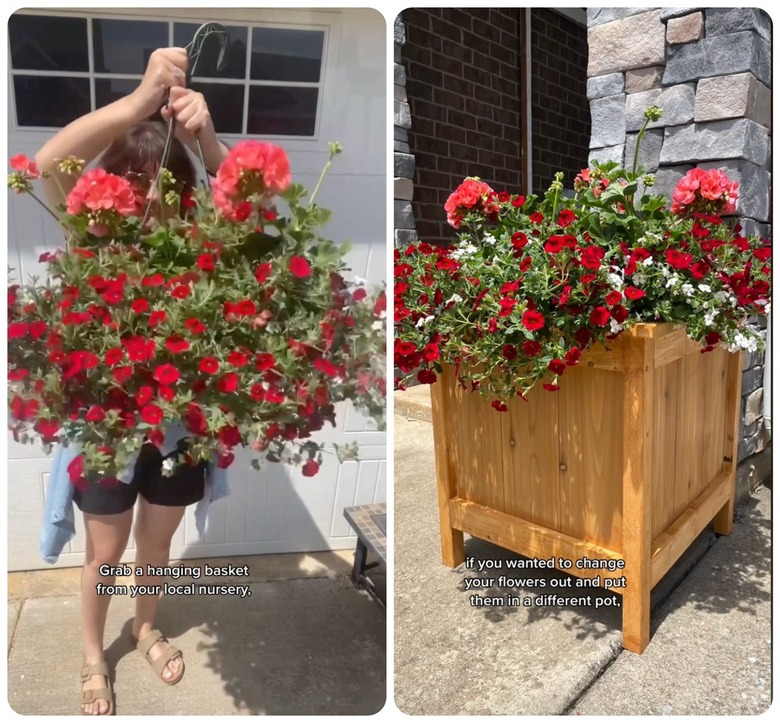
(107, 90)
(207, 63)
(274, 110)
(50, 101)
(291, 55)
(48, 43)
(226, 105)
(124, 46)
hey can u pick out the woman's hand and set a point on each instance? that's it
(191, 112)
(193, 123)
(165, 71)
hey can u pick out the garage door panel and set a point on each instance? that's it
(276, 509)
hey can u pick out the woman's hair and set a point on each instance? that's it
(142, 146)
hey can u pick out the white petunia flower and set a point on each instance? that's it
(422, 321)
(616, 280)
(489, 239)
(359, 280)
(688, 289)
(454, 298)
(639, 279)
(705, 288)
(709, 317)
(614, 327)
(647, 262)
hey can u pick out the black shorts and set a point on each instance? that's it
(185, 486)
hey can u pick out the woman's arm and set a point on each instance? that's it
(86, 137)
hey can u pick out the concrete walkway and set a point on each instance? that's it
(710, 650)
(304, 642)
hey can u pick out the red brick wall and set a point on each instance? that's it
(560, 116)
(464, 90)
(463, 75)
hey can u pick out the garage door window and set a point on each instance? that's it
(65, 66)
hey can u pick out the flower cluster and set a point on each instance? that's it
(533, 282)
(229, 318)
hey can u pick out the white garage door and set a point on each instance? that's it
(299, 78)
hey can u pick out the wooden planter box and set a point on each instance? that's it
(631, 459)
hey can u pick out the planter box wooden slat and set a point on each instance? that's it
(631, 459)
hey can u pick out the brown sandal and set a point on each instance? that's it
(91, 695)
(158, 664)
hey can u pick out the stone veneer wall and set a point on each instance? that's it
(709, 70)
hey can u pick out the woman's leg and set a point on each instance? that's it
(106, 541)
(154, 529)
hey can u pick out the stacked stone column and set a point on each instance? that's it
(709, 70)
(403, 160)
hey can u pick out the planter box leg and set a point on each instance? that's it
(724, 520)
(452, 551)
(637, 494)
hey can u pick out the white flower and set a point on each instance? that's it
(709, 317)
(647, 262)
(674, 280)
(169, 464)
(464, 249)
(639, 279)
(614, 327)
(423, 320)
(359, 280)
(454, 298)
(721, 296)
(489, 239)
(616, 280)
(705, 288)
(688, 289)
(377, 326)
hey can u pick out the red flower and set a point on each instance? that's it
(206, 262)
(76, 468)
(699, 269)
(633, 293)
(518, 201)
(181, 291)
(143, 395)
(300, 267)
(228, 383)
(509, 352)
(166, 393)
(591, 257)
(195, 326)
(157, 317)
(166, 374)
(503, 196)
(599, 316)
(678, 259)
(426, 376)
(620, 314)
(48, 429)
(499, 406)
(507, 305)
(122, 374)
(225, 460)
(237, 359)
(152, 414)
(493, 325)
(209, 365)
(613, 297)
(114, 356)
(264, 361)
(531, 347)
(176, 345)
(557, 366)
(519, 240)
(18, 329)
(140, 306)
(572, 356)
(262, 273)
(95, 414)
(153, 280)
(551, 387)
(536, 217)
(533, 320)
(566, 218)
(310, 468)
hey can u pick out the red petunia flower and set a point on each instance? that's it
(499, 406)
(209, 365)
(194, 326)
(167, 374)
(599, 316)
(426, 376)
(262, 273)
(152, 414)
(531, 348)
(300, 267)
(533, 320)
(157, 317)
(557, 366)
(310, 468)
(206, 262)
(633, 293)
(176, 345)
